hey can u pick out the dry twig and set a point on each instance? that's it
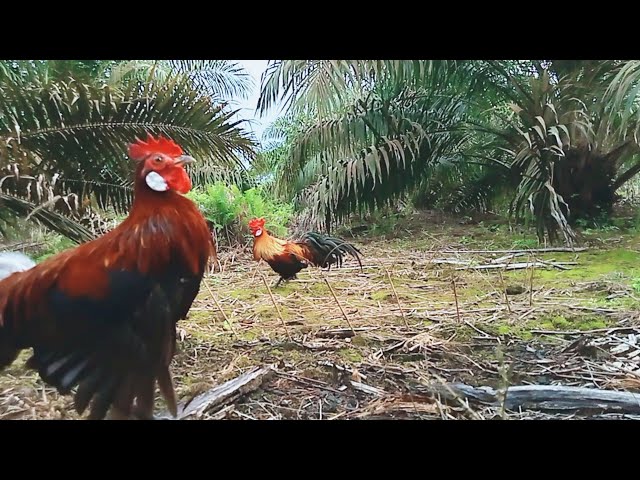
(395, 293)
(277, 307)
(344, 314)
(220, 308)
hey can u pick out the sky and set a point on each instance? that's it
(248, 106)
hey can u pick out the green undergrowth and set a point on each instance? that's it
(350, 355)
(554, 321)
(229, 209)
(563, 322)
(618, 264)
(52, 245)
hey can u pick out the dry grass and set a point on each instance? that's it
(389, 331)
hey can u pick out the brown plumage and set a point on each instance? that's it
(102, 316)
(287, 258)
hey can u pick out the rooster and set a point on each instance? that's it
(102, 316)
(287, 258)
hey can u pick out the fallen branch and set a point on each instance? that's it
(403, 404)
(515, 266)
(507, 257)
(529, 250)
(312, 382)
(362, 387)
(322, 345)
(548, 397)
(222, 394)
(439, 261)
(326, 363)
(343, 332)
(453, 395)
(558, 264)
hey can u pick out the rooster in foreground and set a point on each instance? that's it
(102, 316)
(287, 258)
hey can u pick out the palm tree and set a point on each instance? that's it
(369, 132)
(565, 142)
(64, 132)
(542, 130)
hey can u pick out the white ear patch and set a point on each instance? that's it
(258, 232)
(156, 182)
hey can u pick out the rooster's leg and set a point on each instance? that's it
(278, 282)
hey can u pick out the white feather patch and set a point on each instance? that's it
(258, 232)
(156, 182)
(11, 262)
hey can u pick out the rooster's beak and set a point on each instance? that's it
(184, 159)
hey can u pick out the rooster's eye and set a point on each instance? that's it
(158, 159)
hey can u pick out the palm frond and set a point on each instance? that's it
(397, 141)
(622, 96)
(221, 79)
(51, 219)
(325, 86)
(81, 132)
(551, 126)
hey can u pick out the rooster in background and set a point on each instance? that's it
(102, 316)
(287, 258)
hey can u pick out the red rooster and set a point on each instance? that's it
(287, 258)
(102, 316)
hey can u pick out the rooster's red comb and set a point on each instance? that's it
(141, 149)
(256, 223)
